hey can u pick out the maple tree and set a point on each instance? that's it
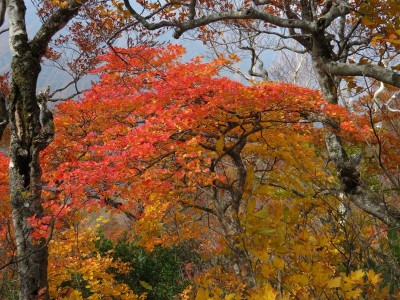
(187, 155)
(345, 40)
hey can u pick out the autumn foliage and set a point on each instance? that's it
(173, 153)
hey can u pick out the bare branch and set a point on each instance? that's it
(262, 73)
(387, 104)
(261, 2)
(341, 9)
(249, 14)
(292, 49)
(203, 208)
(2, 11)
(192, 9)
(115, 34)
(55, 23)
(373, 71)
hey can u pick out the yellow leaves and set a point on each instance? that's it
(300, 279)
(278, 263)
(234, 57)
(219, 146)
(354, 294)
(72, 258)
(268, 231)
(26, 194)
(251, 205)
(282, 216)
(61, 4)
(145, 285)
(186, 293)
(267, 292)
(248, 186)
(74, 295)
(375, 39)
(202, 294)
(261, 254)
(384, 27)
(356, 277)
(373, 278)
(231, 296)
(312, 240)
(367, 20)
(334, 283)
(261, 214)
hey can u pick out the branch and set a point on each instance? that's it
(291, 49)
(2, 11)
(113, 37)
(46, 134)
(55, 23)
(373, 71)
(203, 208)
(261, 2)
(334, 12)
(388, 103)
(262, 73)
(192, 9)
(376, 102)
(73, 82)
(249, 14)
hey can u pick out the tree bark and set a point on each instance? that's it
(25, 175)
(31, 127)
(346, 168)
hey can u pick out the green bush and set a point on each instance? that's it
(159, 273)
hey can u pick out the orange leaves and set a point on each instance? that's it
(152, 125)
(381, 17)
(192, 156)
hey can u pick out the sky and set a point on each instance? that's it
(54, 78)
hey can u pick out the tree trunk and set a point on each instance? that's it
(28, 138)
(346, 167)
(32, 130)
(25, 175)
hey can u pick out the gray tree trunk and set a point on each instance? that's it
(31, 127)
(25, 175)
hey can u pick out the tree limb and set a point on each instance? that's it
(373, 71)
(55, 23)
(2, 11)
(334, 12)
(249, 14)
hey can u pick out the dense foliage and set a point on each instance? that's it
(211, 189)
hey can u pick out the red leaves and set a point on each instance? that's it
(145, 133)
(41, 226)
